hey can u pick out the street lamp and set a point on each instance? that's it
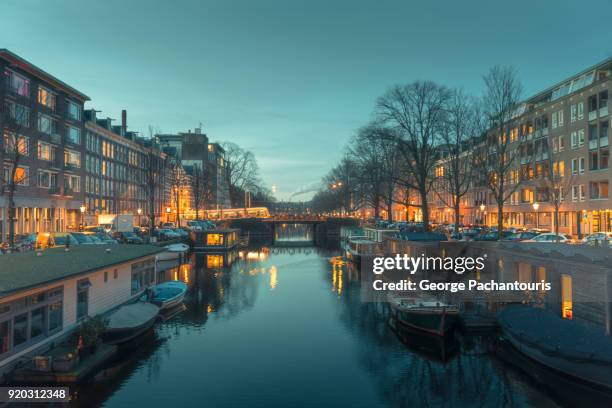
(482, 208)
(139, 211)
(83, 209)
(536, 206)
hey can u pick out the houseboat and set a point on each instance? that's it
(380, 234)
(358, 247)
(431, 317)
(215, 239)
(46, 295)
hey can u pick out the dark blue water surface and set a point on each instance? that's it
(286, 327)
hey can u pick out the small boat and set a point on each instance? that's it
(173, 251)
(572, 349)
(437, 348)
(129, 322)
(168, 294)
(428, 316)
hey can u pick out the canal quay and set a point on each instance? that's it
(283, 322)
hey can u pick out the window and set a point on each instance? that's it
(574, 140)
(573, 113)
(21, 177)
(38, 323)
(526, 195)
(559, 168)
(604, 157)
(44, 179)
(575, 193)
(599, 189)
(17, 83)
(593, 160)
(105, 276)
(73, 134)
(46, 151)
(20, 329)
(115, 274)
(55, 316)
(581, 137)
(46, 124)
(566, 297)
(554, 120)
(19, 113)
(5, 336)
(83, 298)
(46, 98)
(14, 143)
(74, 111)
(560, 117)
(580, 110)
(582, 192)
(581, 165)
(561, 143)
(72, 183)
(214, 239)
(72, 158)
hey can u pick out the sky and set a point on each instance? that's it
(292, 80)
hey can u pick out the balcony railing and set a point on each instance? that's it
(55, 190)
(68, 191)
(593, 115)
(592, 144)
(603, 111)
(71, 167)
(603, 141)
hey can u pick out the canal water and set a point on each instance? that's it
(284, 326)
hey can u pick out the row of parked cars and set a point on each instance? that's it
(529, 235)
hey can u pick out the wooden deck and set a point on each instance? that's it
(85, 368)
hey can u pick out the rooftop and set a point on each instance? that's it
(16, 61)
(26, 270)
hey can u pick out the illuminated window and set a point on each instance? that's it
(214, 261)
(46, 98)
(566, 297)
(214, 239)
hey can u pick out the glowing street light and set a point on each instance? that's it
(139, 211)
(482, 207)
(83, 209)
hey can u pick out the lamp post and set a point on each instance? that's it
(168, 210)
(139, 211)
(83, 209)
(482, 208)
(536, 206)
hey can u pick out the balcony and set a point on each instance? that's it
(603, 141)
(68, 191)
(593, 115)
(603, 111)
(55, 190)
(593, 144)
(71, 167)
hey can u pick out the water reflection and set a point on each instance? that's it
(295, 316)
(293, 234)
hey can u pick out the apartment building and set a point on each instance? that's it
(563, 130)
(49, 115)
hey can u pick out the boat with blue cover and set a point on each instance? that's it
(166, 295)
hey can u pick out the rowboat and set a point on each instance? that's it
(567, 347)
(168, 294)
(428, 316)
(173, 251)
(129, 321)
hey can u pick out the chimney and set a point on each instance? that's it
(123, 122)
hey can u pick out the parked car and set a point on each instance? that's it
(181, 233)
(102, 238)
(169, 225)
(164, 234)
(521, 236)
(549, 238)
(82, 238)
(60, 238)
(492, 236)
(194, 225)
(128, 238)
(598, 238)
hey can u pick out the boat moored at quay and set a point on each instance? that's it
(220, 239)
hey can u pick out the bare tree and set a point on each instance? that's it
(155, 167)
(372, 150)
(457, 167)
(416, 112)
(242, 171)
(14, 119)
(501, 103)
(345, 179)
(556, 183)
